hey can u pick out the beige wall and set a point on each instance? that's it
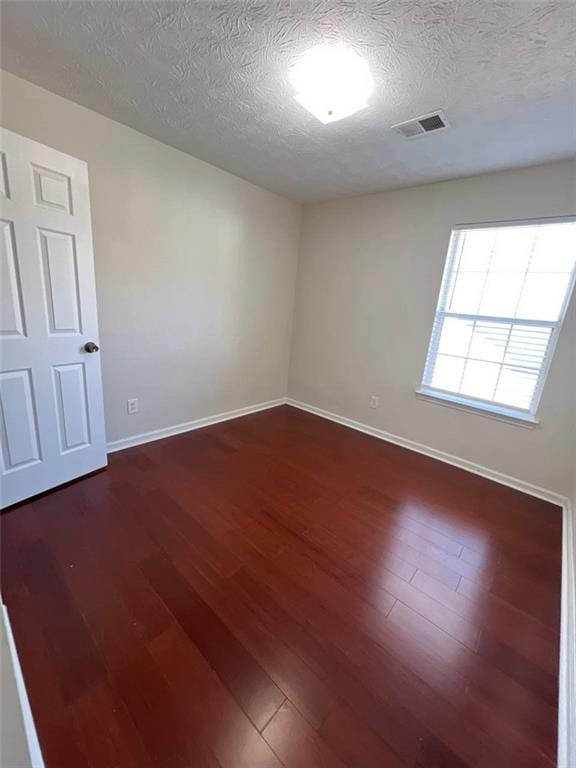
(195, 268)
(368, 281)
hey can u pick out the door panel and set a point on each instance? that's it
(52, 189)
(20, 443)
(72, 405)
(11, 315)
(50, 389)
(4, 188)
(60, 281)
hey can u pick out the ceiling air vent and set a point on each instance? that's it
(435, 121)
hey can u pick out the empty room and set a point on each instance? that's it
(288, 383)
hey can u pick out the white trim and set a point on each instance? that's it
(552, 324)
(518, 222)
(488, 410)
(188, 426)
(34, 751)
(567, 698)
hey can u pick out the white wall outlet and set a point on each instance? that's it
(374, 401)
(132, 405)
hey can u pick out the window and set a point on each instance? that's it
(502, 302)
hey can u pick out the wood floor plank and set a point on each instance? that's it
(296, 743)
(198, 539)
(306, 689)
(512, 699)
(279, 590)
(105, 730)
(254, 690)
(380, 547)
(541, 601)
(421, 537)
(72, 648)
(212, 715)
(383, 669)
(331, 591)
(436, 524)
(354, 742)
(301, 685)
(466, 631)
(394, 725)
(500, 619)
(503, 657)
(163, 727)
(345, 554)
(513, 746)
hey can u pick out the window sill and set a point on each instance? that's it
(508, 416)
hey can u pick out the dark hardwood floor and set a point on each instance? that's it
(279, 590)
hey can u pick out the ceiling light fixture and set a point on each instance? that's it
(331, 82)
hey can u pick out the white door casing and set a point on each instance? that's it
(51, 409)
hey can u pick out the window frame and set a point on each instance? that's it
(528, 416)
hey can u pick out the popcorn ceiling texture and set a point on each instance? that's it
(211, 78)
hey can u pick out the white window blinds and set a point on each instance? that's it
(502, 302)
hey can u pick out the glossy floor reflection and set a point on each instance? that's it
(281, 590)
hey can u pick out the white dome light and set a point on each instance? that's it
(331, 82)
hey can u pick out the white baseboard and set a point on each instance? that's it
(567, 698)
(177, 429)
(20, 702)
(567, 672)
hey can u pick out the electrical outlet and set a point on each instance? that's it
(132, 405)
(374, 401)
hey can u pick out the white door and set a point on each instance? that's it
(52, 417)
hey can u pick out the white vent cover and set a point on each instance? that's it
(434, 121)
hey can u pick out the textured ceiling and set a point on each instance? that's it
(211, 78)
